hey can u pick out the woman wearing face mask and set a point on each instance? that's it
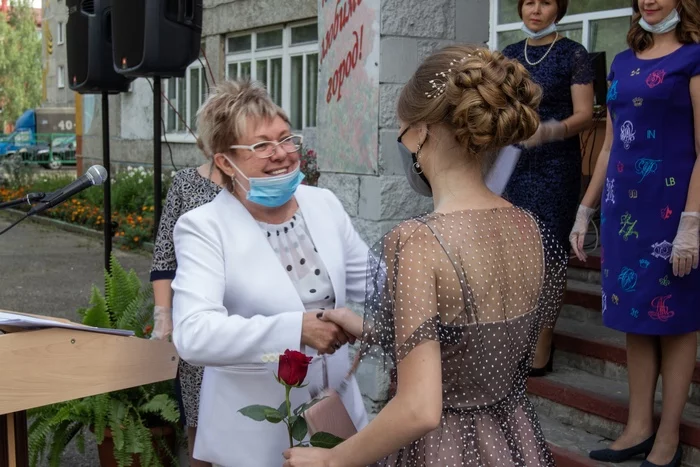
(457, 297)
(249, 264)
(649, 174)
(547, 178)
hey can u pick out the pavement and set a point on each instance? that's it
(48, 271)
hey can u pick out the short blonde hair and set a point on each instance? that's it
(230, 106)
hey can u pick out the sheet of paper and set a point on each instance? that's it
(32, 322)
(502, 169)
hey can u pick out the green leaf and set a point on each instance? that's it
(325, 440)
(283, 409)
(256, 412)
(299, 429)
(273, 415)
(97, 314)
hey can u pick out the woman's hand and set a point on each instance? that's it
(546, 133)
(346, 319)
(578, 232)
(684, 254)
(162, 323)
(307, 457)
(322, 335)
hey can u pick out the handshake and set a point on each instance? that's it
(327, 331)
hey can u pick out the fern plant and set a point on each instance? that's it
(128, 414)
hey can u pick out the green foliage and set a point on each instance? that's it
(20, 61)
(128, 414)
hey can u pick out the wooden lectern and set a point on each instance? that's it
(46, 366)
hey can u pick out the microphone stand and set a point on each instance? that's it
(29, 199)
(107, 193)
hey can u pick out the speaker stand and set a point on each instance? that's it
(107, 201)
(157, 161)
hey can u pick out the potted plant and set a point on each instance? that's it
(133, 427)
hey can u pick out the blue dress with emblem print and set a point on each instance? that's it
(646, 186)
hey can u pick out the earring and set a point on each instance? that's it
(416, 165)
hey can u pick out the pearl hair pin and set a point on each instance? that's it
(440, 84)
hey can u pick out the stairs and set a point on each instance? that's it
(583, 404)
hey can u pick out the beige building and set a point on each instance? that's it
(55, 56)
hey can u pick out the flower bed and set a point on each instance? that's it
(132, 203)
(132, 200)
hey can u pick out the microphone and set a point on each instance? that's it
(29, 199)
(95, 175)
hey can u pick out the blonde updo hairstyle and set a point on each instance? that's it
(488, 100)
(223, 118)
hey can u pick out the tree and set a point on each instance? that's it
(20, 61)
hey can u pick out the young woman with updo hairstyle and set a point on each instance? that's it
(456, 298)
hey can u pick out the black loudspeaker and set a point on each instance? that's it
(89, 47)
(156, 37)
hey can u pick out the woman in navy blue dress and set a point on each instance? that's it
(649, 176)
(547, 178)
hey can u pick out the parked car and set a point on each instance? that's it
(62, 153)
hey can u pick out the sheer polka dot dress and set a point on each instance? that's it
(483, 283)
(295, 249)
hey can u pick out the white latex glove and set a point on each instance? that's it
(684, 254)
(162, 323)
(578, 232)
(547, 132)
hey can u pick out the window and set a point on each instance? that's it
(283, 59)
(600, 25)
(186, 95)
(59, 33)
(61, 76)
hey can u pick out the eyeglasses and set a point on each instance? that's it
(265, 149)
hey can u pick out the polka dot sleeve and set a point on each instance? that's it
(401, 306)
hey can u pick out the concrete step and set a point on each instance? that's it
(583, 294)
(598, 350)
(589, 276)
(571, 445)
(599, 406)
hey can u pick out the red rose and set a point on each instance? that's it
(293, 367)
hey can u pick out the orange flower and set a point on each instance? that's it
(136, 239)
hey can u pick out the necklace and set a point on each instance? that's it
(556, 36)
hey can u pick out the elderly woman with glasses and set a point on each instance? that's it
(255, 267)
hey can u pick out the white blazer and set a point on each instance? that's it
(235, 307)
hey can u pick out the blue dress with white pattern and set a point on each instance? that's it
(646, 186)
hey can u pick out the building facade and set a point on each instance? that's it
(55, 56)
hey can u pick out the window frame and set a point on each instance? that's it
(583, 18)
(60, 33)
(183, 136)
(286, 51)
(60, 77)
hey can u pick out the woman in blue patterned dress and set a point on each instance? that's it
(649, 175)
(547, 178)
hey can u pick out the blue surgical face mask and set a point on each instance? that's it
(552, 28)
(271, 192)
(667, 24)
